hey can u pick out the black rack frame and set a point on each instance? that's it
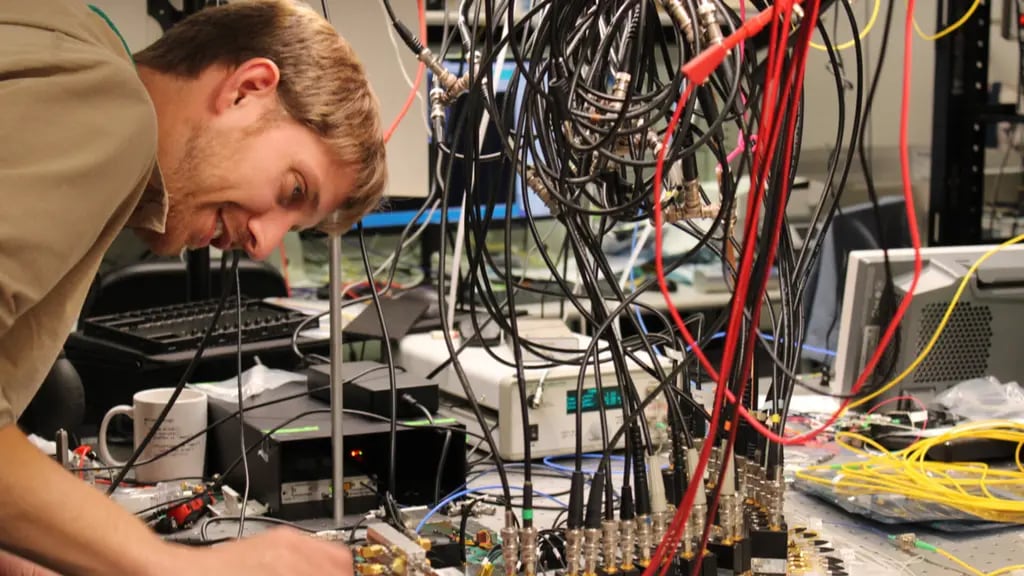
(962, 121)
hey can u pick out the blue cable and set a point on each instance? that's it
(549, 461)
(771, 338)
(456, 495)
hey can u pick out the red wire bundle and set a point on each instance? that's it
(420, 70)
(770, 132)
(696, 71)
(915, 400)
(915, 238)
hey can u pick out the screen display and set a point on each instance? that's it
(612, 399)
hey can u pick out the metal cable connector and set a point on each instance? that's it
(591, 551)
(510, 545)
(708, 15)
(687, 551)
(628, 547)
(572, 551)
(659, 522)
(739, 527)
(620, 88)
(698, 518)
(727, 516)
(609, 546)
(461, 84)
(528, 550)
(653, 142)
(643, 539)
(678, 14)
(777, 487)
(445, 78)
(436, 104)
(536, 183)
(693, 206)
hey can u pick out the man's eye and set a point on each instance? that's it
(298, 195)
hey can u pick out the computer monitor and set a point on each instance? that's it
(980, 339)
(853, 228)
(492, 177)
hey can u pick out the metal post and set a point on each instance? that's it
(337, 435)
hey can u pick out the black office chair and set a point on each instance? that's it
(59, 403)
(162, 283)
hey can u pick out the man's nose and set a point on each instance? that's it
(264, 237)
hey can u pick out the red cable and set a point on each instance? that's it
(915, 237)
(697, 70)
(904, 305)
(771, 127)
(794, 85)
(704, 59)
(915, 400)
(703, 68)
(659, 266)
(420, 70)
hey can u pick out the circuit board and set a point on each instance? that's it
(388, 552)
(482, 545)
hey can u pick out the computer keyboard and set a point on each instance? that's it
(181, 326)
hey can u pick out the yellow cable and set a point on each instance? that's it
(964, 486)
(942, 324)
(960, 562)
(951, 28)
(863, 33)
(948, 555)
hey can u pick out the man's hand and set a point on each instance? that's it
(11, 565)
(276, 552)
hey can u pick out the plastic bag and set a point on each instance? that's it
(984, 399)
(255, 380)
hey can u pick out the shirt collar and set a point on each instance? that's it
(151, 211)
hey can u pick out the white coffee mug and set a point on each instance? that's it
(186, 419)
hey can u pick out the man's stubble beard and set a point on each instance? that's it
(185, 183)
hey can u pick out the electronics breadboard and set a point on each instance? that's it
(388, 552)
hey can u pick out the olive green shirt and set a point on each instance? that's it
(78, 138)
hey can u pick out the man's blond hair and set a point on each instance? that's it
(323, 84)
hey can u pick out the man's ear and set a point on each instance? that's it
(253, 81)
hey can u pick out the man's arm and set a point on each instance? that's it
(58, 521)
(55, 520)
